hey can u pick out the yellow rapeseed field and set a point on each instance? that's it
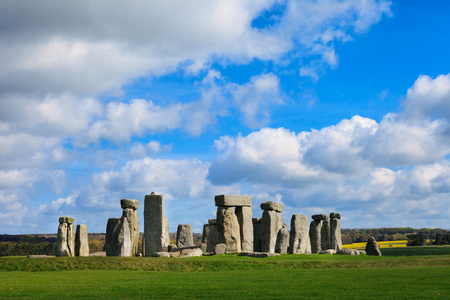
(385, 244)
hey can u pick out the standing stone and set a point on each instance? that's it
(65, 245)
(256, 234)
(184, 236)
(335, 232)
(244, 216)
(117, 238)
(325, 234)
(155, 224)
(271, 223)
(133, 223)
(81, 241)
(282, 245)
(228, 229)
(166, 233)
(299, 238)
(372, 247)
(209, 237)
(314, 236)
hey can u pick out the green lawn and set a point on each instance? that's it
(227, 276)
(414, 251)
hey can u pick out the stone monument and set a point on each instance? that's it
(65, 243)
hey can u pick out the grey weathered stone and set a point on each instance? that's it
(335, 215)
(258, 254)
(335, 234)
(81, 241)
(325, 234)
(161, 254)
(212, 221)
(203, 247)
(101, 253)
(154, 224)
(133, 223)
(61, 240)
(166, 233)
(129, 203)
(343, 251)
(233, 200)
(71, 239)
(184, 236)
(282, 244)
(314, 236)
(244, 216)
(228, 231)
(39, 256)
(328, 251)
(257, 234)
(171, 247)
(191, 252)
(209, 237)
(68, 220)
(117, 238)
(362, 252)
(299, 238)
(269, 205)
(220, 249)
(372, 247)
(319, 217)
(271, 223)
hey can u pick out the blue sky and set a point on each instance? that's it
(319, 105)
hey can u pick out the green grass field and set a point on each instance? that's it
(227, 276)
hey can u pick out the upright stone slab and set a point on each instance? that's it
(299, 238)
(65, 245)
(166, 233)
(81, 241)
(118, 238)
(314, 235)
(282, 244)
(228, 230)
(232, 200)
(209, 237)
(184, 236)
(244, 216)
(335, 232)
(257, 226)
(325, 234)
(372, 247)
(271, 223)
(133, 223)
(154, 224)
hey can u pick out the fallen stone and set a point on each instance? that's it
(328, 251)
(269, 205)
(117, 238)
(81, 241)
(335, 215)
(129, 203)
(271, 223)
(220, 249)
(320, 217)
(325, 234)
(244, 216)
(184, 236)
(191, 252)
(258, 254)
(314, 236)
(335, 234)
(228, 231)
(102, 253)
(161, 254)
(68, 220)
(282, 244)
(299, 238)
(39, 256)
(362, 252)
(372, 247)
(344, 251)
(233, 200)
(171, 247)
(175, 253)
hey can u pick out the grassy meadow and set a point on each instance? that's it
(227, 276)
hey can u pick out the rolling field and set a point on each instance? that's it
(227, 276)
(384, 244)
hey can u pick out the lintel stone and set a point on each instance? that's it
(129, 203)
(335, 215)
(319, 217)
(233, 200)
(68, 220)
(269, 205)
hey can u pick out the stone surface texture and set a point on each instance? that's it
(335, 215)
(347, 252)
(81, 241)
(191, 252)
(319, 217)
(314, 236)
(154, 224)
(256, 234)
(325, 234)
(129, 203)
(212, 221)
(244, 216)
(117, 238)
(258, 254)
(220, 249)
(299, 238)
(233, 200)
(209, 237)
(65, 241)
(271, 223)
(68, 220)
(335, 234)
(282, 244)
(269, 205)
(184, 236)
(133, 223)
(228, 231)
(372, 247)
(328, 251)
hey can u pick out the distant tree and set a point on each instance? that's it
(417, 239)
